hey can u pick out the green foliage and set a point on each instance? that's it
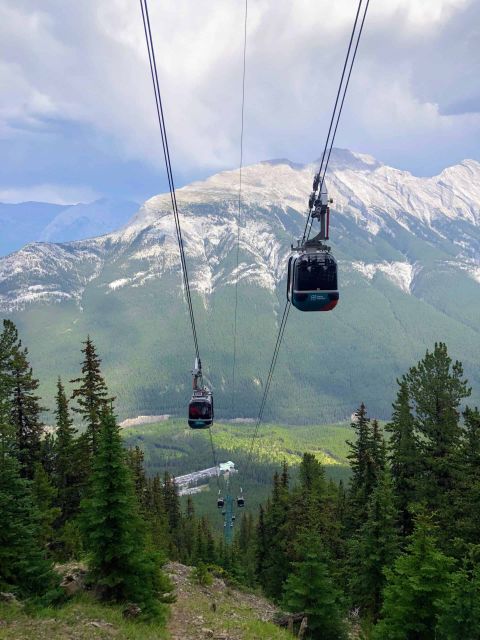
(44, 495)
(24, 568)
(373, 549)
(459, 610)
(367, 460)
(405, 458)
(201, 575)
(92, 394)
(436, 388)
(71, 540)
(8, 342)
(310, 589)
(467, 491)
(113, 530)
(25, 411)
(66, 465)
(415, 588)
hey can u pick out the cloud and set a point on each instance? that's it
(56, 194)
(85, 64)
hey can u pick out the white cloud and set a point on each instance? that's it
(57, 194)
(86, 62)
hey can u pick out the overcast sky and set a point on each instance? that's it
(77, 116)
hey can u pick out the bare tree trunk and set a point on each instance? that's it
(303, 628)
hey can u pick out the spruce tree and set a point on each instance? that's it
(8, 342)
(25, 412)
(364, 457)
(405, 457)
(436, 388)
(24, 568)
(135, 461)
(310, 589)
(92, 394)
(66, 471)
(459, 609)
(261, 546)
(374, 549)
(415, 588)
(467, 499)
(174, 515)
(44, 496)
(157, 516)
(276, 561)
(114, 531)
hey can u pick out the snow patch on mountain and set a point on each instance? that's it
(401, 274)
(441, 211)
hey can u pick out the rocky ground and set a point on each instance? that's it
(218, 611)
(200, 612)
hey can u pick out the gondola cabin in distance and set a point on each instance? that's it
(200, 410)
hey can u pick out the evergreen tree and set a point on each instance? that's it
(366, 461)
(135, 460)
(157, 516)
(174, 514)
(113, 529)
(310, 589)
(436, 388)
(44, 496)
(261, 546)
(8, 343)
(374, 549)
(24, 568)
(459, 609)
(66, 471)
(276, 560)
(25, 412)
(405, 457)
(92, 394)
(467, 499)
(415, 588)
(189, 531)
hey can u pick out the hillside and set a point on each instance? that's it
(238, 616)
(171, 446)
(409, 276)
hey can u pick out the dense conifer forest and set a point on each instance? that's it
(391, 554)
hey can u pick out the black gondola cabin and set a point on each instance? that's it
(200, 410)
(312, 281)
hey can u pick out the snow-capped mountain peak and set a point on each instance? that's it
(391, 216)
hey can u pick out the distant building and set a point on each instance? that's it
(192, 480)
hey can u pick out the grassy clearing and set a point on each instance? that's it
(82, 618)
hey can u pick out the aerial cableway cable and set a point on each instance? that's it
(171, 184)
(168, 165)
(318, 184)
(342, 90)
(281, 331)
(239, 207)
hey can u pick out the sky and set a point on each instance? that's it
(77, 118)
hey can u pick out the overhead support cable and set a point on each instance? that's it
(168, 166)
(318, 184)
(171, 185)
(239, 206)
(338, 107)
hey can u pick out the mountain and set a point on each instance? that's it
(408, 252)
(82, 221)
(23, 222)
(27, 222)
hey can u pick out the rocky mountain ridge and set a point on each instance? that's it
(409, 275)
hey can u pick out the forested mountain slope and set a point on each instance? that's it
(408, 252)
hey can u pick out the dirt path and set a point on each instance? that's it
(218, 611)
